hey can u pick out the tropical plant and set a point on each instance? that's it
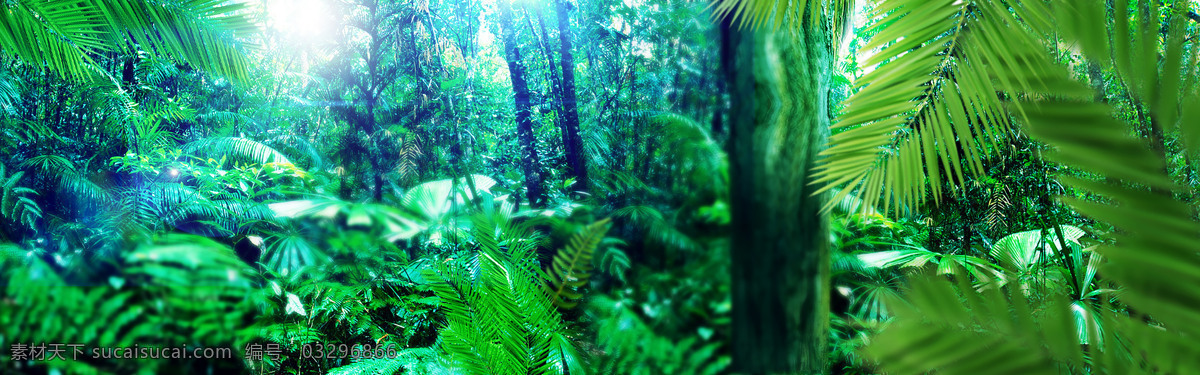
(632, 347)
(174, 291)
(934, 100)
(18, 211)
(571, 267)
(499, 317)
(65, 35)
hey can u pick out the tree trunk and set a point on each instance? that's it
(778, 123)
(574, 146)
(555, 88)
(516, 71)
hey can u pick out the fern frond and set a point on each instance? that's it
(498, 316)
(572, 265)
(292, 335)
(998, 206)
(613, 260)
(16, 202)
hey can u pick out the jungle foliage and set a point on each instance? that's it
(608, 187)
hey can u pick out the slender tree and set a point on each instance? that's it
(570, 108)
(516, 70)
(778, 124)
(366, 86)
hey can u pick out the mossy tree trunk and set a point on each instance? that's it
(570, 107)
(778, 123)
(516, 70)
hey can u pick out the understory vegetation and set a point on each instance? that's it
(599, 187)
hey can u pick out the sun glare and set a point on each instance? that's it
(301, 20)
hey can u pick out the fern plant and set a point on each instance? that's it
(499, 318)
(18, 209)
(572, 265)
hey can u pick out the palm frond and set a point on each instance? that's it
(58, 34)
(290, 253)
(299, 146)
(572, 265)
(224, 118)
(235, 149)
(1022, 251)
(435, 200)
(990, 333)
(777, 14)
(1154, 231)
(929, 112)
(694, 150)
(941, 264)
(10, 92)
(62, 34)
(998, 206)
(612, 259)
(70, 182)
(186, 260)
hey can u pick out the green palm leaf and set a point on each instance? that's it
(964, 331)
(779, 14)
(70, 182)
(235, 149)
(942, 264)
(63, 34)
(929, 112)
(1021, 252)
(290, 253)
(1153, 259)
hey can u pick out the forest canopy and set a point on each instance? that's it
(594, 186)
